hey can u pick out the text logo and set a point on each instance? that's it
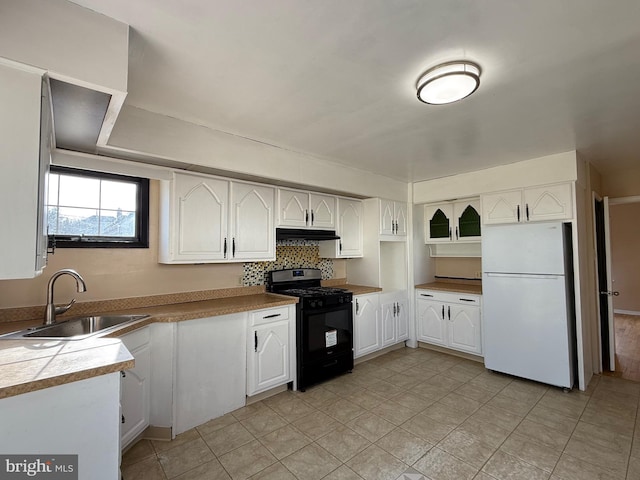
(49, 467)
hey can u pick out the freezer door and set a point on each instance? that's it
(530, 248)
(526, 329)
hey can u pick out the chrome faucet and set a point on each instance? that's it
(51, 310)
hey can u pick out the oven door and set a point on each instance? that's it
(325, 333)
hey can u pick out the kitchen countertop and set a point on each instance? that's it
(475, 289)
(29, 365)
(357, 289)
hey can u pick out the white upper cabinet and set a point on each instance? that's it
(393, 218)
(24, 160)
(252, 229)
(300, 209)
(532, 204)
(349, 229)
(201, 218)
(206, 219)
(457, 221)
(553, 202)
(323, 211)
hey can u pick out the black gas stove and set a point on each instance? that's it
(324, 324)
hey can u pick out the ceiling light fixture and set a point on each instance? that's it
(448, 82)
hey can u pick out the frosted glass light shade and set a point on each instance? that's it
(448, 82)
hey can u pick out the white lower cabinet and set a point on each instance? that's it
(367, 336)
(270, 349)
(80, 418)
(395, 319)
(210, 369)
(134, 387)
(450, 320)
(379, 320)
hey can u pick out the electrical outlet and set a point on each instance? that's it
(241, 280)
(478, 274)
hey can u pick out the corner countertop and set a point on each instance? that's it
(29, 365)
(475, 289)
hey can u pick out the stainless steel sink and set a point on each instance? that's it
(77, 328)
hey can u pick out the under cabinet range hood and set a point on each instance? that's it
(302, 234)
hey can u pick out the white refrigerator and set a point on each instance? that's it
(528, 302)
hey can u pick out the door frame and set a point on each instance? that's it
(607, 254)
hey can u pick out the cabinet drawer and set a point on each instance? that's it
(261, 317)
(136, 339)
(449, 297)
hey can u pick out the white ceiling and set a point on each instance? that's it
(336, 78)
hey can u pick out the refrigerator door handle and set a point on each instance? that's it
(540, 276)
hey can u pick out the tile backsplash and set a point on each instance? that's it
(289, 254)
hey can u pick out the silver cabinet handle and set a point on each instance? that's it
(255, 341)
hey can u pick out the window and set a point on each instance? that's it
(90, 209)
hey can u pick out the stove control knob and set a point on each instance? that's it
(319, 303)
(340, 299)
(312, 303)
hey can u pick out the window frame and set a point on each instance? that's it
(141, 239)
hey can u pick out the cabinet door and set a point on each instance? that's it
(350, 227)
(432, 327)
(402, 320)
(200, 230)
(252, 230)
(400, 209)
(366, 324)
(46, 145)
(387, 217)
(322, 211)
(21, 180)
(502, 207)
(135, 400)
(438, 221)
(210, 369)
(553, 202)
(388, 323)
(464, 328)
(135, 386)
(467, 221)
(293, 208)
(269, 356)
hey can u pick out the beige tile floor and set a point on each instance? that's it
(442, 417)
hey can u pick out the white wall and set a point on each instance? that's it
(537, 171)
(69, 41)
(141, 131)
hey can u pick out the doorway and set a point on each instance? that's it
(617, 231)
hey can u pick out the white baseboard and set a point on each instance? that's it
(626, 312)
